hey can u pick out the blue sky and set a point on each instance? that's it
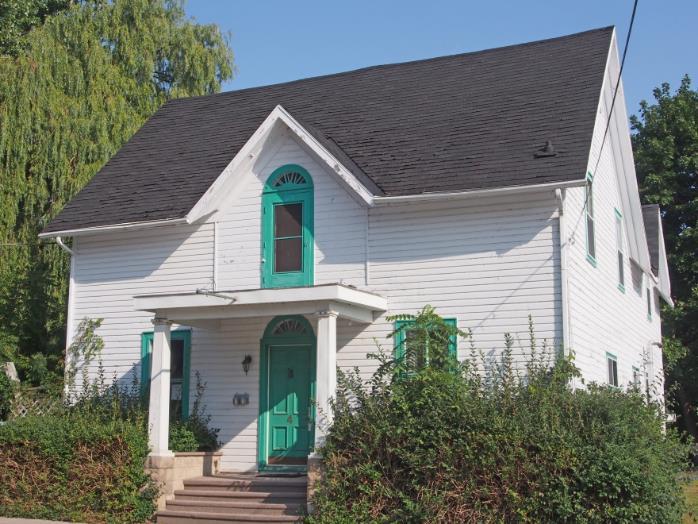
(275, 41)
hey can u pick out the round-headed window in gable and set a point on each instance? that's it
(289, 177)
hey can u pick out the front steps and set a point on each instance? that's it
(230, 498)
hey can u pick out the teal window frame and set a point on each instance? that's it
(146, 349)
(401, 328)
(620, 249)
(590, 233)
(293, 190)
(637, 378)
(612, 369)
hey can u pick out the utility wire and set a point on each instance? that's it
(615, 92)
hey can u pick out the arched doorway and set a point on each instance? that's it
(286, 421)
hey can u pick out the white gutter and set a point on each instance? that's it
(115, 227)
(376, 200)
(427, 197)
(564, 289)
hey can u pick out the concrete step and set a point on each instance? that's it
(198, 517)
(221, 495)
(247, 483)
(236, 507)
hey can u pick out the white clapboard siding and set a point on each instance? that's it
(340, 226)
(110, 268)
(602, 318)
(489, 264)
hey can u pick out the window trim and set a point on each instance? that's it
(271, 197)
(620, 249)
(637, 374)
(614, 358)
(400, 335)
(146, 345)
(589, 189)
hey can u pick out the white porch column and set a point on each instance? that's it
(326, 373)
(159, 409)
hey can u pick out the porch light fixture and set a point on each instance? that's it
(246, 363)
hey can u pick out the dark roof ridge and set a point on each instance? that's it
(394, 64)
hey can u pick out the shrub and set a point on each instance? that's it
(440, 444)
(76, 466)
(7, 391)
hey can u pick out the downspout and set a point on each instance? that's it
(65, 248)
(564, 291)
(70, 314)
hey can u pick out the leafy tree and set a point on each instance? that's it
(73, 89)
(17, 17)
(666, 155)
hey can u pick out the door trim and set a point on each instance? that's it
(270, 338)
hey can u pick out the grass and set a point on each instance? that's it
(691, 492)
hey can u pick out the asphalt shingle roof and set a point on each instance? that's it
(454, 123)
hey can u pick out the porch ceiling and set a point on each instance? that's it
(204, 308)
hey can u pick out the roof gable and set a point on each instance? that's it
(457, 123)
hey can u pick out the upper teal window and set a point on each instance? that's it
(402, 337)
(589, 214)
(180, 351)
(287, 228)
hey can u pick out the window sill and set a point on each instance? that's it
(591, 260)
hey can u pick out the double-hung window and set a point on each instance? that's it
(612, 364)
(620, 251)
(180, 350)
(287, 228)
(404, 338)
(589, 214)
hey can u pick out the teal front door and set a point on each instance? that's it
(290, 409)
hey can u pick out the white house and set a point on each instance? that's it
(279, 226)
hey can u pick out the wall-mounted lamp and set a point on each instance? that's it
(246, 363)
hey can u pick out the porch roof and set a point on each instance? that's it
(203, 307)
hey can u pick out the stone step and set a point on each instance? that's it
(199, 517)
(236, 507)
(247, 483)
(220, 495)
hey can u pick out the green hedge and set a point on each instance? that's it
(439, 445)
(75, 466)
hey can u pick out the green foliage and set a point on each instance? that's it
(7, 392)
(507, 445)
(195, 433)
(17, 17)
(73, 89)
(425, 340)
(82, 466)
(665, 144)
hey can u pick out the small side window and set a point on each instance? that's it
(620, 251)
(612, 363)
(649, 302)
(589, 214)
(180, 349)
(637, 379)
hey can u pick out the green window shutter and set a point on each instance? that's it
(402, 326)
(183, 335)
(288, 192)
